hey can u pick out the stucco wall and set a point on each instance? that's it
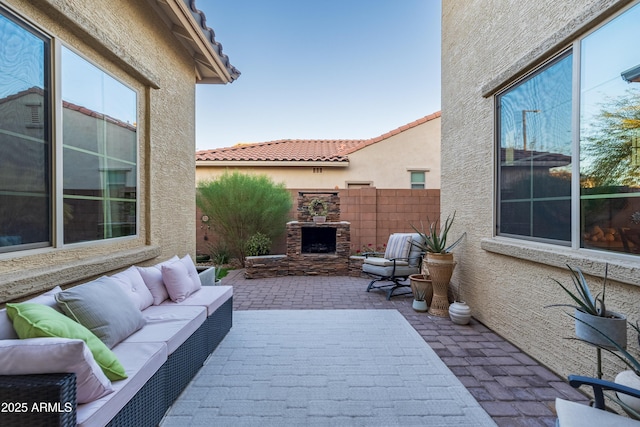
(483, 42)
(384, 164)
(130, 41)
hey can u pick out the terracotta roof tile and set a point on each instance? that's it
(208, 32)
(309, 150)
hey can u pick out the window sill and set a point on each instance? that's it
(26, 282)
(622, 268)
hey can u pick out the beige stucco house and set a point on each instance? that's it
(540, 164)
(97, 117)
(404, 158)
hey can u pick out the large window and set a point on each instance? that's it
(100, 151)
(568, 147)
(25, 145)
(96, 191)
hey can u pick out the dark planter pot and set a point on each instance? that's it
(613, 327)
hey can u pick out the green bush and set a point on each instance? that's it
(257, 245)
(241, 205)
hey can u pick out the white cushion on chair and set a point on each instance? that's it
(572, 414)
(398, 246)
(383, 262)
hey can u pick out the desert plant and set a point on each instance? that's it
(257, 245)
(220, 253)
(584, 300)
(241, 205)
(434, 239)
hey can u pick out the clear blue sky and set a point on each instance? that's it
(330, 69)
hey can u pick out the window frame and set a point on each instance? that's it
(52, 117)
(590, 260)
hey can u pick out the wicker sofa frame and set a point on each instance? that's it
(148, 405)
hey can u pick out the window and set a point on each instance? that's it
(100, 151)
(96, 140)
(568, 149)
(25, 137)
(417, 179)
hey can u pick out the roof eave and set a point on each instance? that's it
(210, 65)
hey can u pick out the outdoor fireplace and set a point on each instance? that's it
(318, 240)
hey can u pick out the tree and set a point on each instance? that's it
(611, 148)
(241, 205)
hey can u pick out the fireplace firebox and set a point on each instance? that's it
(318, 240)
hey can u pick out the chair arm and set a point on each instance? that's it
(599, 386)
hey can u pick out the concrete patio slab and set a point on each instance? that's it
(325, 367)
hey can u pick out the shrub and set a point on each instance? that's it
(257, 245)
(241, 205)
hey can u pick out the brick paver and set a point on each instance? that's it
(512, 387)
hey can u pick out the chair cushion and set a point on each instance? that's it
(572, 414)
(383, 262)
(38, 320)
(103, 308)
(398, 246)
(55, 355)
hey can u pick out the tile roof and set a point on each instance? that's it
(210, 35)
(309, 150)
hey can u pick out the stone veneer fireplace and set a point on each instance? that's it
(318, 248)
(312, 248)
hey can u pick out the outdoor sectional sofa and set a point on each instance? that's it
(159, 359)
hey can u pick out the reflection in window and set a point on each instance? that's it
(99, 155)
(535, 141)
(609, 128)
(25, 199)
(535, 155)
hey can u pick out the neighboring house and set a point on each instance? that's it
(407, 157)
(97, 113)
(540, 151)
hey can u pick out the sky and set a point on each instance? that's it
(330, 69)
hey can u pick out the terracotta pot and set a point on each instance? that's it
(422, 288)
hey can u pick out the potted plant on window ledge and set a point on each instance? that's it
(439, 261)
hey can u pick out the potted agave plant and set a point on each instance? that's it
(594, 323)
(438, 261)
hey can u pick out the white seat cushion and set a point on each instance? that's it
(383, 262)
(211, 297)
(572, 414)
(141, 361)
(169, 324)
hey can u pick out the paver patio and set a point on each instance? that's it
(512, 387)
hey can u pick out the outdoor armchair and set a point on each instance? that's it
(401, 259)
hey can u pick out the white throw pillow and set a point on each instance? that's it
(152, 277)
(181, 278)
(134, 286)
(56, 355)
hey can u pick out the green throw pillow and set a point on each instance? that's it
(38, 320)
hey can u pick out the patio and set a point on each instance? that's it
(510, 386)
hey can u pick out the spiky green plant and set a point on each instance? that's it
(584, 300)
(434, 239)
